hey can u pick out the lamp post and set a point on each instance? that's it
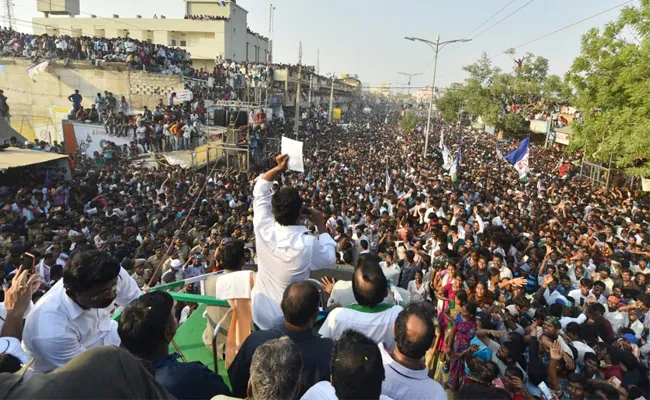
(436, 47)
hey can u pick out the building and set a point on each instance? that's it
(228, 37)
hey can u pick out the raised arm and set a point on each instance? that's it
(263, 191)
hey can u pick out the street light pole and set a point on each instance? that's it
(436, 47)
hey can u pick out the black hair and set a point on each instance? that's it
(462, 296)
(300, 303)
(574, 328)
(369, 284)
(363, 244)
(577, 378)
(471, 308)
(586, 282)
(356, 358)
(9, 363)
(600, 284)
(590, 356)
(143, 323)
(89, 269)
(232, 254)
(410, 346)
(286, 204)
(556, 310)
(514, 371)
(492, 272)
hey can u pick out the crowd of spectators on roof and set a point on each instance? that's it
(138, 55)
(207, 18)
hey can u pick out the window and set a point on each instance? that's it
(173, 42)
(183, 43)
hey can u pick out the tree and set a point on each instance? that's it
(409, 121)
(492, 94)
(451, 103)
(612, 89)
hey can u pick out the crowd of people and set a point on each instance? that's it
(207, 18)
(484, 287)
(138, 55)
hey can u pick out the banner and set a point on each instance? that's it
(93, 138)
(336, 114)
(185, 95)
(645, 184)
(57, 170)
(37, 69)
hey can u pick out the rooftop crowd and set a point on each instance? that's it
(486, 287)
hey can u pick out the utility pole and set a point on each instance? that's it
(436, 47)
(331, 111)
(296, 122)
(409, 81)
(9, 14)
(269, 56)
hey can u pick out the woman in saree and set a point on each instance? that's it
(462, 330)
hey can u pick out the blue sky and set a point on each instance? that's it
(367, 37)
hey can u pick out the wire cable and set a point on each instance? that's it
(501, 20)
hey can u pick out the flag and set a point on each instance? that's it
(453, 171)
(519, 159)
(37, 69)
(499, 153)
(316, 151)
(446, 155)
(309, 176)
(446, 159)
(387, 181)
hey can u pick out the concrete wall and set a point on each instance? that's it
(45, 102)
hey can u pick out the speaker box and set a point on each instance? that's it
(220, 118)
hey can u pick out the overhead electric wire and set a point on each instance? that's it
(568, 26)
(502, 19)
(480, 25)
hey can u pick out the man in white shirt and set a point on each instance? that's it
(582, 295)
(407, 377)
(285, 252)
(74, 315)
(369, 316)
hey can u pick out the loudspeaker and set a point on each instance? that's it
(220, 118)
(241, 119)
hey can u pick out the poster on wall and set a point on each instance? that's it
(93, 138)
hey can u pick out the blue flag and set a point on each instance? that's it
(519, 159)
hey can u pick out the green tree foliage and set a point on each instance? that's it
(489, 92)
(612, 88)
(409, 121)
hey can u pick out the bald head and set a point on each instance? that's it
(414, 331)
(300, 304)
(369, 284)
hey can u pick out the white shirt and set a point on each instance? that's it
(325, 391)
(285, 254)
(564, 321)
(402, 383)
(618, 319)
(582, 349)
(343, 295)
(378, 326)
(57, 329)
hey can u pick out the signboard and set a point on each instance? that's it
(57, 170)
(336, 114)
(490, 129)
(93, 138)
(276, 100)
(562, 138)
(645, 184)
(185, 95)
(539, 126)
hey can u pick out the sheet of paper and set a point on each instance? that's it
(293, 148)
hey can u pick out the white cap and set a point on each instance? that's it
(176, 263)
